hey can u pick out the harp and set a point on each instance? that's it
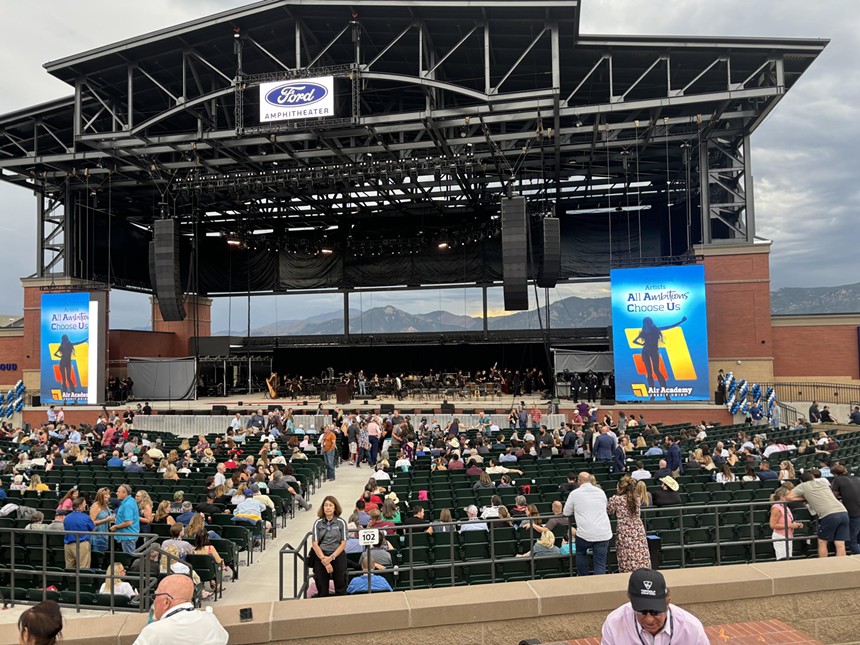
(272, 384)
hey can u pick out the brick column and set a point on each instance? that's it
(198, 322)
(737, 284)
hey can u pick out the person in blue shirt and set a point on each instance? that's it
(127, 519)
(2, 492)
(115, 461)
(655, 450)
(604, 446)
(359, 583)
(673, 457)
(765, 473)
(77, 546)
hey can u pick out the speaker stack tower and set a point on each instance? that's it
(515, 253)
(551, 264)
(164, 269)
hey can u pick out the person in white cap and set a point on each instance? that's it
(473, 523)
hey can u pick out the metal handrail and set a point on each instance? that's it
(143, 552)
(300, 552)
(811, 391)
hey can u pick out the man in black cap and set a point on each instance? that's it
(649, 618)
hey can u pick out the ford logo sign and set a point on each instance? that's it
(296, 94)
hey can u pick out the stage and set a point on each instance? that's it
(657, 412)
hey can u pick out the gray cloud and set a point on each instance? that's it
(803, 158)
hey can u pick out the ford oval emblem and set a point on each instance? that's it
(296, 94)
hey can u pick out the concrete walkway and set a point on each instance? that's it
(259, 582)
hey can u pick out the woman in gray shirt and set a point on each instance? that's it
(329, 547)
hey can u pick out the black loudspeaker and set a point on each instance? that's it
(37, 400)
(551, 265)
(386, 408)
(164, 269)
(515, 253)
(447, 408)
(219, 409)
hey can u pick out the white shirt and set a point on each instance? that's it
(772, 449)
(588, 506)
(641, 474)
(183, 624)
(122, 589)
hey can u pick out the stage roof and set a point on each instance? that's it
(441, 107)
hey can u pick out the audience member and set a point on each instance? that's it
(833, 523)
(587, 504)
(177, 621)
(650, 617)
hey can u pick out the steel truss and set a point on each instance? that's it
(452, 103)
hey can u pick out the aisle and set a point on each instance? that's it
(259, 582)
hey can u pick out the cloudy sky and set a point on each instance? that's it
(807, 174)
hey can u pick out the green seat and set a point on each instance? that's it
(69, 598)
(38, 595)
(104, 600)
(476, 551)
(701, 556)
(208, 571)
(241, 537)
(229, 552)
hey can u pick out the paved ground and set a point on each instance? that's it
(762, 632)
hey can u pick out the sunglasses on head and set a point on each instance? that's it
(651, 612)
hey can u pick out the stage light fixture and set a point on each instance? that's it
(326, 251)
(443, 245)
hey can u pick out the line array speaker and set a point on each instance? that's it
(164, 269)
(551, 265)
(515, 254)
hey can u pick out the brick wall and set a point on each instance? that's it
(198, 322)
(816, 352)
(11, 351)
(738, 291)
(125, 342)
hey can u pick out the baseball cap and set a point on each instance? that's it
(249, 492)
(647, 590)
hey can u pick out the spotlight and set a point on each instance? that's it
(326, 251)
(443, 245)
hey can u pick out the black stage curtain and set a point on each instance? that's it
(473, 263)
(124, 254)
(394, 360)
(585, 244)
(226, 268)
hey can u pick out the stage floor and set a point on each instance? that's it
(410, 404)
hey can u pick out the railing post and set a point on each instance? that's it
(683, 543)
(12, 533)
(752, 530)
